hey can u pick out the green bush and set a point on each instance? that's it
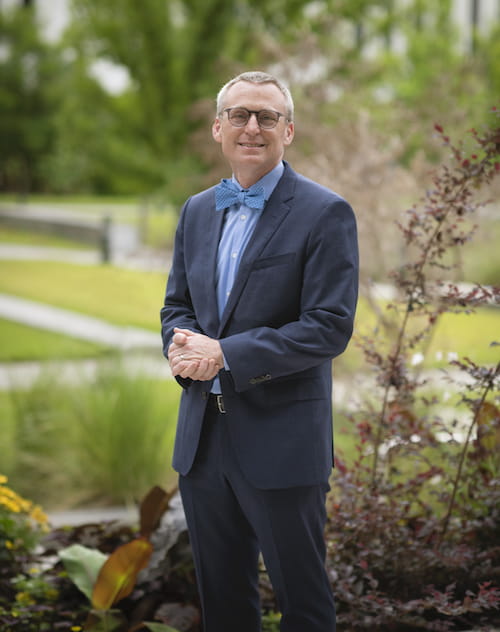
(105, 440)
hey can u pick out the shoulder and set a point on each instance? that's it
(304, 188)
(307, 197)
(202, 198)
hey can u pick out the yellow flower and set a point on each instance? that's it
(9, 544)
(38, 515)
(25, 598)
(3, 479)
(76, 628)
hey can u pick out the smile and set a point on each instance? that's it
(252, 145)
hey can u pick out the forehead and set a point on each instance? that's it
(255, 96)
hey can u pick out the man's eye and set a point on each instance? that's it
(239, 116)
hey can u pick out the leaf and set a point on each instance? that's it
(82, 565)
(153, 506)
(118, 575)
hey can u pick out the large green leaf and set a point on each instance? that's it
(83, 565)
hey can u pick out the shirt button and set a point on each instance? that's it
(234, 255)
(243, 217)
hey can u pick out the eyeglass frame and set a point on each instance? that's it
(256, 112)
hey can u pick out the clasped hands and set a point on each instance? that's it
(193, 355)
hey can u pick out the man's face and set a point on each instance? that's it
(251, 151)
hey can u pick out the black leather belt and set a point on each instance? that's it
(216, 402)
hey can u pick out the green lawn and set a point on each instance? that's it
(26, 238)
(455, 336)
(120, 296)
(19, 343)
(133, 298)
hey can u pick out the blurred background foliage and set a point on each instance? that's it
(370, 80)
(402, 65)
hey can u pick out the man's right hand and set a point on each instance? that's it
(195, 356)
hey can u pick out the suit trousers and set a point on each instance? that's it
(230, 522)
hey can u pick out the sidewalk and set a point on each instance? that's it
(77, 325)
(141, 258)
(144, 346)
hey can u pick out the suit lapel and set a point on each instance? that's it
(275, 211)
(215, 221)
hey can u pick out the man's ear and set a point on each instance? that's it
(216, 130)
(289, 134)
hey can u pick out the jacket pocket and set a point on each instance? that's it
(276, 260)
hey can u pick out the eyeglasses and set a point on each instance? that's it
(266, 119)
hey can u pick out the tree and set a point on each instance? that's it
(175, 54)
(26, 101)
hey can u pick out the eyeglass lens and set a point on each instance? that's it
(239, 117)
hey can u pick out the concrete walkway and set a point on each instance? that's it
(75, 324)
(142, 258)
(130, 515)
(22, 375)
(143, 347)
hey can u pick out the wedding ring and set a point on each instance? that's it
(182, 357)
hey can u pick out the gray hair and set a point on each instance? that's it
(256, 76)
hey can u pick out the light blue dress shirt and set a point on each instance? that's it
(239, 224)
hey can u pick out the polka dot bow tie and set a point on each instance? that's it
(227, 193)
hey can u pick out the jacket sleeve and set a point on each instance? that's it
(327, 309)
(177, 310)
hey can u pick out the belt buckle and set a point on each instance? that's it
(220, 403)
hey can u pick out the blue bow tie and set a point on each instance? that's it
(227, 193)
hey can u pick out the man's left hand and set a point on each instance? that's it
(193, 355)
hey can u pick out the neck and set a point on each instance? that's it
(247, 178)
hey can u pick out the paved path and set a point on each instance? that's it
(21, 375)
(75, 324)
(174, 516)
(142, 258)
(144, 346)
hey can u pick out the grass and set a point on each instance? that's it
(480, 259)
(26, 238)
(21, 343)
(133, 298)
(121, 296)
(105, 442)
(455, 336)
(466, 335)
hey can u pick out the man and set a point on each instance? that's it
(260, 298)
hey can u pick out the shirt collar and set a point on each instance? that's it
(269, 181)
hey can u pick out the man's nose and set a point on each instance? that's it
(252, 123)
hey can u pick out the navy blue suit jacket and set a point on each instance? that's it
(290, 311)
